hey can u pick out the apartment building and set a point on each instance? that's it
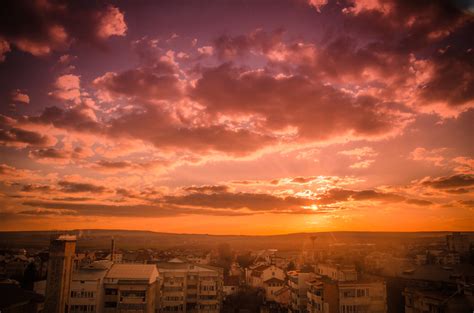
(60, 266)
(87, 288)
(434, 300)
(337, 272)
(131, 288)
(339, 289)
(187, 287)
(458, 242)
(298, 285)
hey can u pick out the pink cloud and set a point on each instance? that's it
(19, 96)
(361, 6)
(4, 48)
(307, 105)
(206, 50)
(362, 164)
(434, 156)
(464, 165)
(318, 4)
(67, 88)
(111, 23)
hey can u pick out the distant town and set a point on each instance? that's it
(321, 273)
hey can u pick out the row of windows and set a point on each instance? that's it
(352, 293)
(110, 304)
(316, 305)
(110, 291)
(174, 298)
(77, 308)
(133, 293)
(82, 294)
(176, 308)
(353, 309)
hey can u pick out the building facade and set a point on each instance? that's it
(60, 268)
(298, 285)
(87, 288)
(187, 287)
(131, 288)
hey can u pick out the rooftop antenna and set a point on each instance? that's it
(112, 249)
(313, 239)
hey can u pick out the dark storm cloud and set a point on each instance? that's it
(34, 188)
(207, 188)
(14, 136)
(40, 27)
(146, 84)
(455, 181)
(240, 200)
(294, 101)
(73, 187)
(337, 195)
(86, 209)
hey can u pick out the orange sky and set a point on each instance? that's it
(263, 118)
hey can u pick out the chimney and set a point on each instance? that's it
(112, 250)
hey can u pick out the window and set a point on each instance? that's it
(110, 291)
(110, 304)
(82, 294)
(360, 293)
(133, 293)
(82, 308)
(349, 293)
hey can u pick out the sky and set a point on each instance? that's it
(237, 116)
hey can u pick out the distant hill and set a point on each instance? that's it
(135, 239)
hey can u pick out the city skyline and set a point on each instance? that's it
(237, 117)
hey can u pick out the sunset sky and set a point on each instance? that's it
(237, 116)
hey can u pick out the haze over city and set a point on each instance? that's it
(237, 117)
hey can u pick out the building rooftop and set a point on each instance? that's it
(438, 273)
(177, 266)
(273, 280)
(94, 271)
(67, 238)
(145, 272)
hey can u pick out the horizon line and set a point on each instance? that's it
(239, 235)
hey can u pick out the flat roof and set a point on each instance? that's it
(135, 272)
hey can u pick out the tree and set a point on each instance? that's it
(291, 266)
(245, 260)
(225, 257)
(29, 277)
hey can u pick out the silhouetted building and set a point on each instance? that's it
(13, 299)
(58, 285)
(422, 300)
(458, 242)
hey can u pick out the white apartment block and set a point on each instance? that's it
(87, 288)
(187, 287)
(337, 272)
(298, 284)
(362, 296)
(131, 288)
